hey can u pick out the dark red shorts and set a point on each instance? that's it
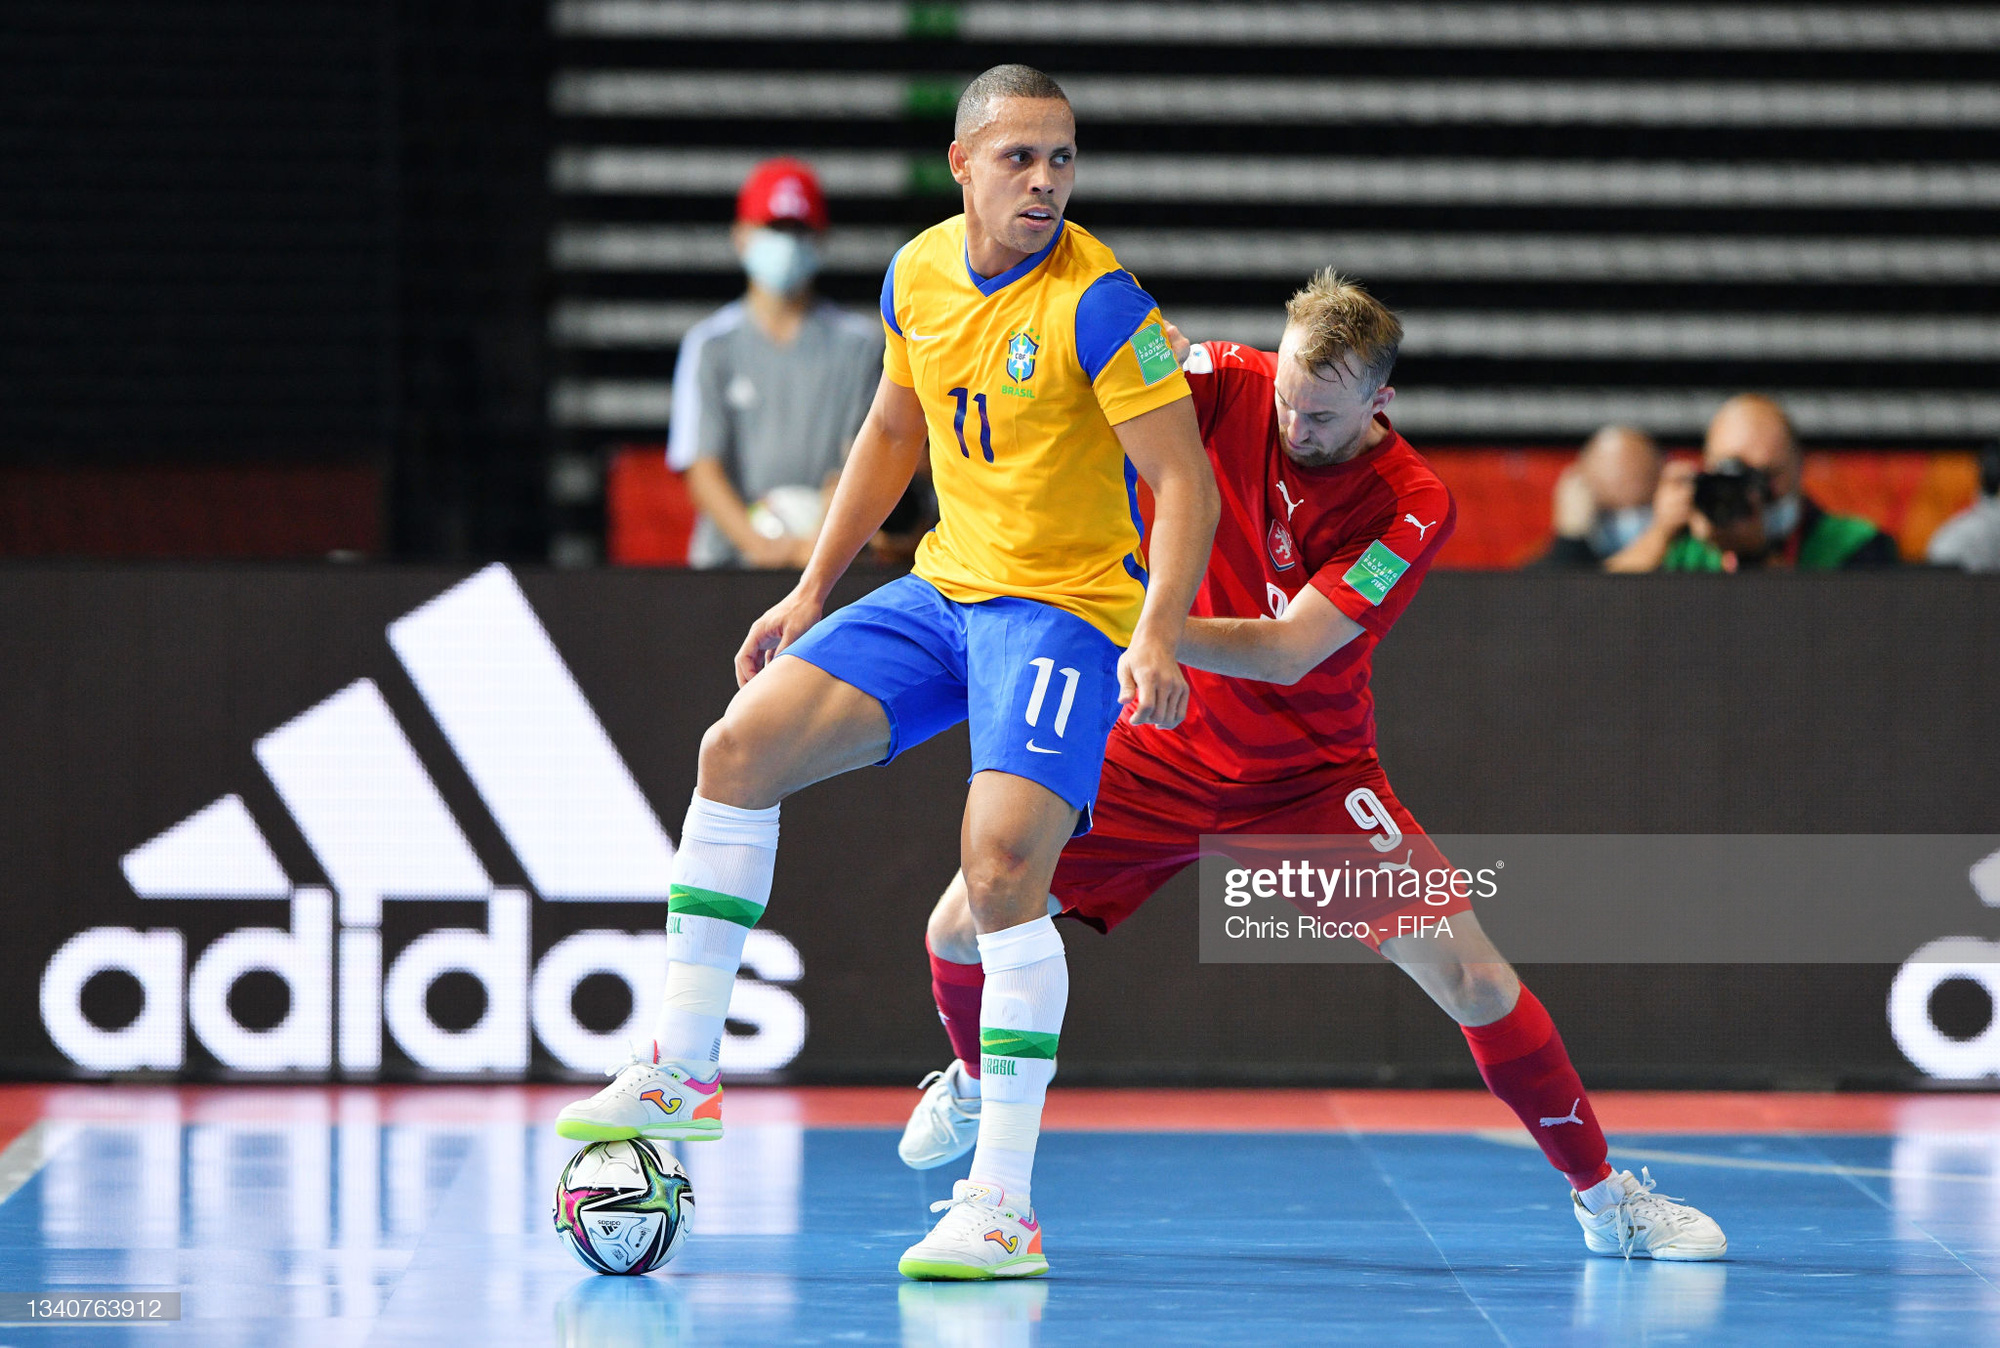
(1149, 819)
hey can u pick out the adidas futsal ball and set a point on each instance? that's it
(623, 1207)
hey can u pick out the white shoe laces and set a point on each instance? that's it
(635, 1056)
(940, 1120)
(638, 1055)
(966, 1210)
(1656, 1208)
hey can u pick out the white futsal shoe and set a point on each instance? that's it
(661, 1101)
(978, 1237)
(1649, 1225)
(942, 1127)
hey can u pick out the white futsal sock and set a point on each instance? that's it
(1601, 1195)
(718, 888)
(1020, 1024)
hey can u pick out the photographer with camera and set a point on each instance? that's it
(1743, 508)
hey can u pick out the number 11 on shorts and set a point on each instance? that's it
(1045, 669)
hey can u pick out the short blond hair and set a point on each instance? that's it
(1335, 316)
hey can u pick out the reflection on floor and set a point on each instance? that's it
(420, 1216)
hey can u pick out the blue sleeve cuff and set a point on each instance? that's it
(889, 295)
(1106, 317)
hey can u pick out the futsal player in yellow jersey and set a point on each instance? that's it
(1021, 376)
(1039, 377)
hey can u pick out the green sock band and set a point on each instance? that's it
(1017, 1044)
(692, 902)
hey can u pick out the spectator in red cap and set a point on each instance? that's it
(770, 390)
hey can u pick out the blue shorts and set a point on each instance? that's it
(1039, 686)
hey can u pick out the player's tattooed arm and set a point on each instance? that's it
(1283, 651)
(1165, 446)
(886, 452)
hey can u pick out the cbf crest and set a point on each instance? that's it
(1022, 348)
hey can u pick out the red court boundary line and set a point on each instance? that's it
(1401, 1111)
(21, 1107)
(1077, 1110)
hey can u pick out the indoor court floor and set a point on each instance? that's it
(307, 1215)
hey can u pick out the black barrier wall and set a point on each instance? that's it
(201, 762)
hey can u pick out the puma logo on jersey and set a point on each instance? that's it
(1567, 1118)
(1422, 528)
(1229, 349)
(1290, 504)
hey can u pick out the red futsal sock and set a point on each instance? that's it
(958, 988)
(1525, 1064)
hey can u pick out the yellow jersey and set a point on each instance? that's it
(1021, 377)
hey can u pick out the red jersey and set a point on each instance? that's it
(1363, 533)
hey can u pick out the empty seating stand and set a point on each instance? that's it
(1584, 213)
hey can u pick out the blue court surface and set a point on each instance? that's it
(421, 1216)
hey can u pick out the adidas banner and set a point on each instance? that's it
(378, 824)
(400, 824)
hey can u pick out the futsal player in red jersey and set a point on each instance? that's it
(1330, 521)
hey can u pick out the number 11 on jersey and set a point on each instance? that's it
(985, 425)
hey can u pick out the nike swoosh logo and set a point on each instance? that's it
(924, 337)
(1035, 748)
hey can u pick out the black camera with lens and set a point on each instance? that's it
(1731, 491)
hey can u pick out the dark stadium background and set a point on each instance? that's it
(298, 282)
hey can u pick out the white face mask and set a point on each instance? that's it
(780, 261)
(1781, 517)
(1616, 530)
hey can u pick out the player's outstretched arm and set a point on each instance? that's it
(1165, 446)
(1284, 651)
(886, 452)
